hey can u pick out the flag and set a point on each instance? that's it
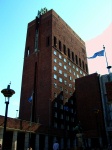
(100, 53)
(66, 108)
(30, 99)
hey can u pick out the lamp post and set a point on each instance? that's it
(7, 93)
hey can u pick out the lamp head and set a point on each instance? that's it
(8, 92)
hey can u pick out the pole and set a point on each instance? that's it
(108, 67)
(5, 124)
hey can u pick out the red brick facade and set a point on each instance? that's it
(54, 57)
(89, 105)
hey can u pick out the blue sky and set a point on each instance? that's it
(88, 18)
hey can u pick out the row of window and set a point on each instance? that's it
(65, 66)
(67, 118)
(63, 107)
(70, 71)
(61, 88)
(62, 80)
(70, 54)
(63, 98)
(63, 127)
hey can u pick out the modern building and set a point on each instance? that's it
(94, 108)
(106, 93)
(55, 56)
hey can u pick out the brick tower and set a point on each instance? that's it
(54, 57)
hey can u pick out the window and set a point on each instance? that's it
(60, 45)
(70, 85)
(70, 93)
(70, 70)
(64, 49)
(55, 76)
(27, 52)
(65, 67)
(55, 104)
(69, 63)
(71, 110)
(65, 74)
(77, 76)
(55, 85)
(68, 52)
(61, 106)
(55, 68)
(64, 59)
(80, 72)
(68, 127)
(60, 80)
(36, 40)
(60, 71)
(65, 82)
(73, 56)
(72, 119)
(61, 116)
(55, 114)
(55, 95)
(83, 74)
(79, 62)
(61, 97)
(55, 41)
(55, 53)
(83, 64)
(66, 99)
(60, 56)
(66, 91)
(71, 101)
(77, 69)
(74, 73)
(76, 58)
(86, 67)
(60, 64)
(55, 125)
(62, 126)
(73, 80)
(55, 60)
(73, 66)
(48, 41)
(70, 78)
(67, 118)
(61, 88)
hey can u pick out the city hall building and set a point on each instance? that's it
(55, 56)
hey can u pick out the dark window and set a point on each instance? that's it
(76, 58)
(64, 49)
(79, 62)
(55, 41)
(60, 45)
(48, 41)
(83, 50)
(27, 52)
(83, 64)
(86, 67)
(68, 52)
(72, 56)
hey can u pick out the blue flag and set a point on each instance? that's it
(66, 108)
(100, 53)
(30, 99)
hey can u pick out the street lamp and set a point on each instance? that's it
(7, 93)
(79, 135)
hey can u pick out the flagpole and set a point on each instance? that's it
(108, 67)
